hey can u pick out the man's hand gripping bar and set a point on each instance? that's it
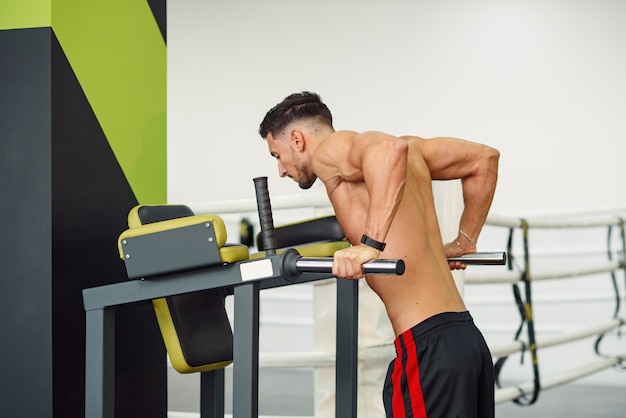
(293, 264)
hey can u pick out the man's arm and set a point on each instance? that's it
(379, 160)
(477, 167)
(383, 162)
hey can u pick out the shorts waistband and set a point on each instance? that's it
(434, 323)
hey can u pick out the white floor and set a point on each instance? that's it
(289, 393)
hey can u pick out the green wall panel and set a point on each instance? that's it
(118, 54)
(17, 14)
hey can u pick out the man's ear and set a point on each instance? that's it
(296, 138)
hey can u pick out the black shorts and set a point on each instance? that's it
(443, 369)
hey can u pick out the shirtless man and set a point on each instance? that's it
(380, 188)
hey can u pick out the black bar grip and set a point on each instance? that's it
(268, 234)
(325, 265)
(487, 259)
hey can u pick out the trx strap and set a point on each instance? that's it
(622, 263)
(526, 314)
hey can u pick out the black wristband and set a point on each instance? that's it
(380, 246)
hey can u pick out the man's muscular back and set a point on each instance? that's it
(427, 287)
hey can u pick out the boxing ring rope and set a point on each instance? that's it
(293, 201)
(323, 359)
(314, 359)
(519, 393)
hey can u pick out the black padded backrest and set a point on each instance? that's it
(202, 326)
(158, 213)
(305, 232)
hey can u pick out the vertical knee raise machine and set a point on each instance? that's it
(181, 262)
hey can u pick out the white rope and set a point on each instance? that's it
(513, 392)
(556, 222)
(385, 353)
(302, 359)
(506, 349)
(605, 267)
(293, 201)
(319, 199)
(510, 393)
(487, 277)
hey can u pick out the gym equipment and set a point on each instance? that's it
(173, 256)
(195, 327)
(182, 262)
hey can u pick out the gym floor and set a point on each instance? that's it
(289, 392)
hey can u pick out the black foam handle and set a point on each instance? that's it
(268, 234)
(325, 265)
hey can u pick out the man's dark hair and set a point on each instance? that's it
(297, 106)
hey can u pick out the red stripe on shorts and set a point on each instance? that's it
(418, 408)
(397, 400)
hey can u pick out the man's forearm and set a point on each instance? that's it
(478, 193)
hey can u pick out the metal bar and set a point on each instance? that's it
(100, 363)
(212, 394)
(171, 285)
(325, 265)
(486, 258)
(347, 348)
(272, 283)
(246, 351)
(225, 276)
(382, 266)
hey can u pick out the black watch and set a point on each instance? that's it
(380, 246)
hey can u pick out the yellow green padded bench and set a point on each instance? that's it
(161, 263)
(170, 239)
(315, 237)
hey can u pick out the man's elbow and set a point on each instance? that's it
(402, 148)
(491, 156)
(396, 149)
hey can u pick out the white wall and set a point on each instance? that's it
(541, 80)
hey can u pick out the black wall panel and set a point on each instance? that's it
(64, 203)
